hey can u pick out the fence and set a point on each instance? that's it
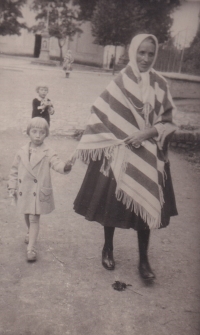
(171, 54)
(169, 58)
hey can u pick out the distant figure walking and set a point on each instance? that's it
(67, 63)
(112, 62)
(42, 106)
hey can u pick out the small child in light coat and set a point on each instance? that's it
(42, 106)
(30, 180)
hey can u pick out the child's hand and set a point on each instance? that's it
(68, 166)
(70, 163)
(51, 109)
(12, 193)
(48, 103)
(45, 103)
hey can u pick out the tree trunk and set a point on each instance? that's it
(61, 55)
(67, 42)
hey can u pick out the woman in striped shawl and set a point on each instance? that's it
(128, 182)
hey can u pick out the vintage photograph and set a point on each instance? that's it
(99, 167)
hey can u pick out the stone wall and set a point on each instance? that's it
(185, 90)
(183, 86)
(186, 139)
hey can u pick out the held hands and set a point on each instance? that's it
(69, 164)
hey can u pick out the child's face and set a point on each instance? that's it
(37, 136)
(42, 92)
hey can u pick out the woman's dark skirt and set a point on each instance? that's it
(96, 201)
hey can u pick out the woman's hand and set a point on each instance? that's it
(140, 136)
(135, 139)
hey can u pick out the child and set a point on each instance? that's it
(42, 106)
(67, 64)
(30, 180)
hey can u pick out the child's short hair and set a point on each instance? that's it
(38, 122)
(41, 84)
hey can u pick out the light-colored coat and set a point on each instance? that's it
(32, 180)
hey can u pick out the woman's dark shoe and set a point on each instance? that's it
(145, 271)
(107, 259)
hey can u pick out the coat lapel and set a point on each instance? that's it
(38, 155)
(24, 154)
(36, 158)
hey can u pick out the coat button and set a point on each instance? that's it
(20, 193)
(20, 181)
(34, 194)
(35, 180)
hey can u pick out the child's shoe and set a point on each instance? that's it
(26, 240)
(31, 255)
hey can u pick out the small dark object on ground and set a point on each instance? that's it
(120, 286)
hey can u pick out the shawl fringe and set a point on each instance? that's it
(138, 209)
(86, 155)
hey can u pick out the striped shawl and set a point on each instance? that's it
(116, 114)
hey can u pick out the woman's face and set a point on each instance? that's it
(145, 55)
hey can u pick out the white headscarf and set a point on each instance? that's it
(143, 77)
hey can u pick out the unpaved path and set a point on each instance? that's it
(67, 291)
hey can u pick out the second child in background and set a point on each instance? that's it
(42, 106)
(67, 63)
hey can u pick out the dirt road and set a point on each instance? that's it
(67, 291)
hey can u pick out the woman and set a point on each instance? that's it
(128, 182)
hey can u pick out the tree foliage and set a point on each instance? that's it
(191, 60)
(117, 21)
(10, 12)
(63, 19)
(86, 8)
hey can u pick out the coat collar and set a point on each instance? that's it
(38, 156)
(42, 99)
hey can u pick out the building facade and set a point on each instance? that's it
(82, 45)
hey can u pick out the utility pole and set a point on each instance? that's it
(44, 53)
(44, 57)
